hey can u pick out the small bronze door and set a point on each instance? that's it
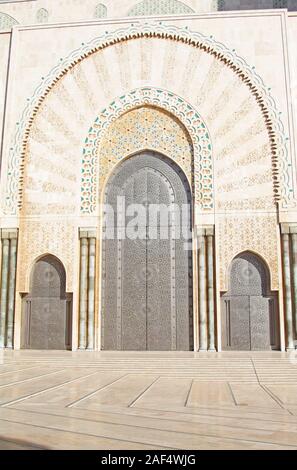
(46, 313)
(249, 310)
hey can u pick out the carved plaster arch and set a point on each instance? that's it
(281, 167)
(180, 109)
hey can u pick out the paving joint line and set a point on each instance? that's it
(89, 395)
(131, 405)
(82, 434)
(212, 436)
(31, 378)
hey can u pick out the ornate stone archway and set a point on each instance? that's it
(281, 167)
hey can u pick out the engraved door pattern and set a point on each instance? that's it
(147, 283)
(249, 309)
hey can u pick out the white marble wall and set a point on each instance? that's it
(244, 214)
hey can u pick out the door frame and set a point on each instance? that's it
(99, 264)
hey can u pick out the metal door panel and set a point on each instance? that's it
(111, 338)
(133, 295)
(240, 323)
(159, 298)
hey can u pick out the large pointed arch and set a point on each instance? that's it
(192, 121)
(281, 167)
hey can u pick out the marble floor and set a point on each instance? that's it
(131, 400)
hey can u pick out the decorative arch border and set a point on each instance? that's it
(162, 99)
(281, 166)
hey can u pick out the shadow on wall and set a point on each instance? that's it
(157, 7)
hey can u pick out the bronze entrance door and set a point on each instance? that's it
(147, 281)
(46, 313)
(249, 309)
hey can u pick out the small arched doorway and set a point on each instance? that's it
(249, 310)
(47, 309)
(147, 280)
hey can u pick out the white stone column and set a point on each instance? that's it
(287, 287)
(91, 293)
(210, 290)
(11, 288)
(202, 301)
(4, 290)
(294, 262)
(83, 292)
